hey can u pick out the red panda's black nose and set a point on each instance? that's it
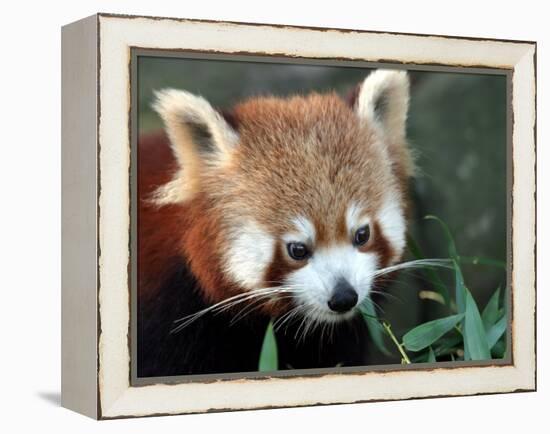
(343, 298)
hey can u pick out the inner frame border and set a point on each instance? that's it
(136, 52)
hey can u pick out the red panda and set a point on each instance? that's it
(282, 210)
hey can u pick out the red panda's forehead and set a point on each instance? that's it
(305, 156)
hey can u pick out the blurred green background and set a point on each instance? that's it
(456, 127)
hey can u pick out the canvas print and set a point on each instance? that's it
(317, 218)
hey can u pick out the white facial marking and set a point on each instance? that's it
(250, 253)
(305, 231)
(355, 218)
(392, 222)
(318, 278)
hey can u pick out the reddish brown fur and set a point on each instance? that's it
(303, 156)
(167, 234)
(275, 275)
(380, 245)
(201, 244)
(158, 243)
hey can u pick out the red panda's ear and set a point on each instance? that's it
(195, 128)
(200, 138)
(383, 101)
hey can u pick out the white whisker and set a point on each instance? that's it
(376, 305)
(445, 263)
(255, 305)
(230, 302)
(287, 317)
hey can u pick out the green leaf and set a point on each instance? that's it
(448, 343)
(475, 339)
(466, 352)
(490, 314)
(376, 331)
(451, 243)
(460, 300)
(499, 350)
(426, 334)
(430, 272)
(496, 331)
(459, 288)
(268, 356)
(422, 357)
(414, 248)
(431, 356)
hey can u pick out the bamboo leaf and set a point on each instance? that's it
(459, 288)
(496, 331)
(490, 314)
(426, 334)
(430, 272)
(376, 331)
(451, 243)
(431, 356)
(475, 339)
(268, 354)
(448, 343)
(460, 300)
(499, 349)
(466, 352)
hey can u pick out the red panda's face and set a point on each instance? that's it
(307, 192)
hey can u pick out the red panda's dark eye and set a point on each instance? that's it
(297, 251)
(362, 236)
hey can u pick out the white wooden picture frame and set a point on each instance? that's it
(96, 295)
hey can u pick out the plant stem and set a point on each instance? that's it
(399, 346)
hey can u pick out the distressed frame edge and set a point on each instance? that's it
(136, 53)
(530, 51)
(314, 28)
(79, 218)
(527, 66)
